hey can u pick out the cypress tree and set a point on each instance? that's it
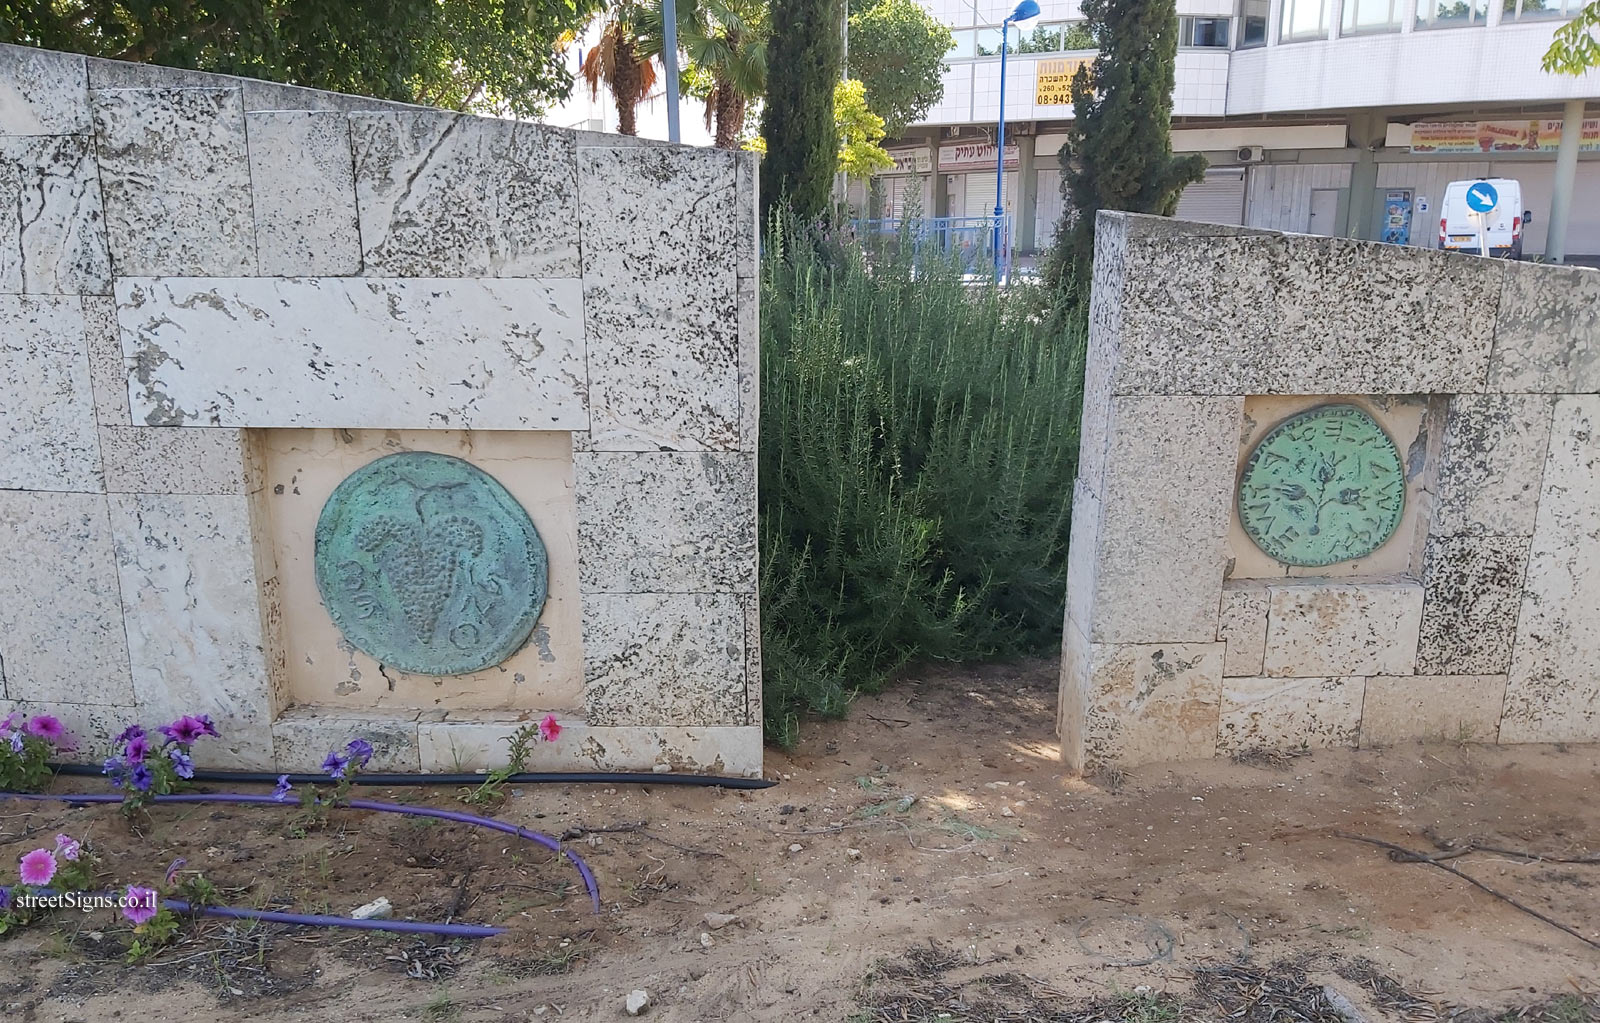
(1119, 147)
(803, 57)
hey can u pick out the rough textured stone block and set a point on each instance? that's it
(666, 521)
(664, 658)
(93, 727)
(355, 352)
(1297, 314)
(1553, 694)
(42, 92)
(481, 744)
(751, 603)
(1162, 541)
(194, 624)
(173, 460)
(1490, 464)
(749, 364)
(659, 297)
(1547, 335)
(107, 372)
(1151, 702)
(61, 636)
(1437, 708)
(1242, 625)
(1082, 551)
(304, 194)
(747, 208)
(176, 180)
(1474, 593)
(1290, 713)
(445, 195)
(47, 426)
(303, 736)
(1318, 630)
(54, 239)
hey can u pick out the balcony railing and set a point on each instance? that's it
(971, 239)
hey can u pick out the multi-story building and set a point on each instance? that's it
(1338, 117)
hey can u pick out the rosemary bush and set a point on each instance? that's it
(919, 439)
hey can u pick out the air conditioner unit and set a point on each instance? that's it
(1251, 154)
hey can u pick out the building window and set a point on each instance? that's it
(962, 45)
(1306, 19)
(1043, 39)
(1057, 38)
(1253, 23)
(1371, 16)
(1519, 10)
(1078, 37)
(1451, 13)
(1203, 32)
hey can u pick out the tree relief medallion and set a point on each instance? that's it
(428, 564)
(1324, 486)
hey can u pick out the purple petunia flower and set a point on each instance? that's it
(139, 905)
(208, 726)
(131, 732)
(334, 764)
(137, 748)
(46, 727)
(360, 751)
(182, 766)
(11, 720)
(141, 777)
(185, 730)
(5, 897)
(280, 791)
(38, 867)
(173, 868)
(16, 742)
(68, 848)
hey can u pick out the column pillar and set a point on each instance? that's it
(1027, 193)
(1555, 246)
(1364, 127)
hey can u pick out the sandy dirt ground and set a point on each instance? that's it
(925, 859)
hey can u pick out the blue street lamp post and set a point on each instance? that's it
(1025, 10)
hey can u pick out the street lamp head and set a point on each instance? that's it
(1025, 10)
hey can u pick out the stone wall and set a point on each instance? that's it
(213, 289)
(1478, 619)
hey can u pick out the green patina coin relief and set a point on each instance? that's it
(428, 564)
(1324, 486)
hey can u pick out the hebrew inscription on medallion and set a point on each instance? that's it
(427, 563)
(1322, 487)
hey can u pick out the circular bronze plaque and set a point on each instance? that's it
(1323, 486)
(428, 564)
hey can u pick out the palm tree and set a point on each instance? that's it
(726, 41)
(622, 59)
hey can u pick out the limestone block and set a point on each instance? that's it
(107, 372)
(47, 426)
(105, 73)
(172, 460)
(664, 658)
(481, 744)
(175, 175)
(666, 521)
(303, 736)
(751, 604)
(1324, 629)
(1548, 330)
(1104, 351)
(1437, 708)
(1298, 314)
(1076, 691)
(1553, 693)
(747, 207)
(355, 352)
(749, 363)
(659, 289)
(61, 637)
(1242, 626)
(54, 239)
(191, 608)
(1474, 593)
(305, 194)
(1165, 501)
(1490, 464)
(93, 727)
(1290, 713)
(43, 92)
(1082, 550)
(1151, 702)
(446, 195)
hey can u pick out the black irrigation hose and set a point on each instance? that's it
(530, 778)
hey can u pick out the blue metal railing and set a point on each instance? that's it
(970, 238)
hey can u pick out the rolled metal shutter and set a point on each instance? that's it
(1218, 199)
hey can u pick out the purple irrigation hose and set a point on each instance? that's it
(552, 844)
(317, 920)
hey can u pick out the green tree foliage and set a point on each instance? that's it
(897, 51)
(1119, 151)
(860, 132)
(797, 121)
(1576, 46)
(726, 43)
(919, 439)
(622, 59)
(488, 55)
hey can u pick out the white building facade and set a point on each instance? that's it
(1334, 117)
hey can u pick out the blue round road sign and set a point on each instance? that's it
(1481, 197)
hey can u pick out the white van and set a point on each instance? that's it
(1458, 224)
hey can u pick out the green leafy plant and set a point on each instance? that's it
(897, 52)
(150, 764)
(27, 745)
(860, 132)
(343, 767)
(69, 868)
(797, 121)
(492, 791)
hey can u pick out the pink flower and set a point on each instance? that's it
(68, 848)
(45, 727)
(548, 729)
(139, 905)
(38, 867)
